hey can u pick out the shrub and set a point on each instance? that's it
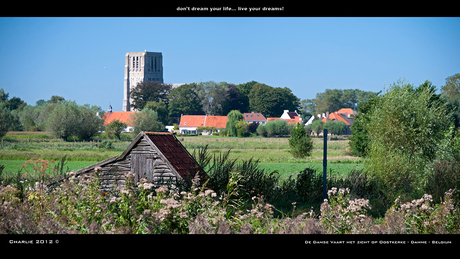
(145, 120)
(68, 119)
(231, 126)
(406, 126)
(300, 142)
(114, 129)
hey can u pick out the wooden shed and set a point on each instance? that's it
(156, 156)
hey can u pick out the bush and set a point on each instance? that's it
(406, 125)
(69, 119)
(114, 129)
(445, 176)
(300, 142)
(276, 127)
(261, 130)
(335, 127)
(145, 120)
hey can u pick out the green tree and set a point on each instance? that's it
(332, 100)
(317, 126)
(231, 126)
(359, 139)
(271, 101)
(161, 108)
(452, 87)
(276, 127)
(115, 128)
(149, 91)
(405, 128)
(145, 120)
(335, 127)
(69, 119)
(300, 142)
(213, 97)
(89, 123)
(242, 128)
(261, 130)
(63, 121)
(184, 100)
(5, 119)
(244, 90)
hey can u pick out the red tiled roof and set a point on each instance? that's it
(121, 116)
(347, 111)
(337, 117)
(289, 121)
(342, 115)
(256, 116)
(218, 122)
(175, 153)
(192, 121)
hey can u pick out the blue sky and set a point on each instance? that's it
(82, 59)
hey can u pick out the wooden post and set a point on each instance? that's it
(325, 164)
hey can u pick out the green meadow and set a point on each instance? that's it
(272, 153)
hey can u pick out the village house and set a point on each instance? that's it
(110, 116)
(159, 157)
(194, 124)
(289, 117)
(346, 115)
(256, 117)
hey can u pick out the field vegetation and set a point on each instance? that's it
(398, 173)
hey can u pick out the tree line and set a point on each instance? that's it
(212, 98)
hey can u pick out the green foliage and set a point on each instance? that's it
(317, 126)
(231, 126)
(89, 123)
(213, 97)
(300, 142)
(333, 100)
(276, 128)
(5, 119)
(145, 120)
(242, 129)
(69, 119)
(452, 87)
(271, 101)
(359, 140)
(184, 100)
(241, 202)
(114, 129)
(405, 128)
(261, 130)
(62, 122)
(335, 127)
(161, 108)
(149, 91)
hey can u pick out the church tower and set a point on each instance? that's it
(140, 67)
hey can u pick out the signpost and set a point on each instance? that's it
(324, 164)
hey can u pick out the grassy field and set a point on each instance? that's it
(272, 153)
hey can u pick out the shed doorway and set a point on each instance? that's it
(142, 165)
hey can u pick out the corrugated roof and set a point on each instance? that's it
(121, 116)
(175, 153)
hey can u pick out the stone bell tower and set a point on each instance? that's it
(140, 67)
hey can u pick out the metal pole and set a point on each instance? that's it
(325, 164)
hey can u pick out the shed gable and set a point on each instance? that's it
(155, 156)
